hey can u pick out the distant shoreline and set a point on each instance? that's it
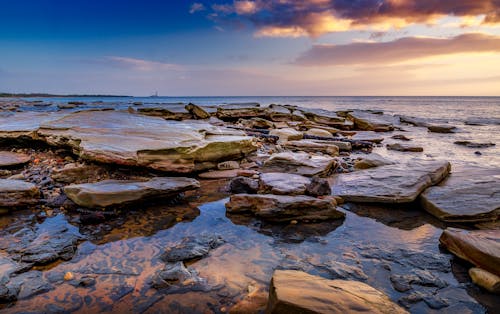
(21, 95)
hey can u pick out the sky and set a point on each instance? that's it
(246, 48)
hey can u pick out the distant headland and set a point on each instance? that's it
(53, 95)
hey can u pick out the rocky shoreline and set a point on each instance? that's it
(281, 166)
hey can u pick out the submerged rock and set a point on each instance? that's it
(368, 136)
(474, 144)
(405, 147)
(368, 121)
(473, 196)
(9, 159)
(283, 207)
(135, 140)
(298, 292)
(118, 193)
(192, 248)
(479, 247)
(400, 183)
(283, 183)
(300, 163)
(243, 185)
(17, 193)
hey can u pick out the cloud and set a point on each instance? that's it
(399, 50)
(196, 7)
(139, 64)
(292, 18)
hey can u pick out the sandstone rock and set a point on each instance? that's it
(474, 144)
(118, 193)
(400, 183)
(372, 160)
(414, 121)
(283, 183)
(318, 187)
(219, 174)
(479, 247)
(368, 136)
(442, 128)
(343, 146)
(405, 148)
(312, 147)
(324, 117)
(135, 140)
(287, 134)
(279, 113)
(228, 165)
(472, 196)
(72, 173)
(245, 110)
(23, 125)
(294, 291)
(17, 193)
(197, 111)
(245, 185)
(319, 133)
(9, 159)
(482, 121)
(300, 163)
(371, 122)
(281, 208)
(167, 111)
(485, 279)
(401, 137)
(191, 248)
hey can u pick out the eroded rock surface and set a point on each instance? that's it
(284, 183)
(16, 193)
(10, 159)
(300, 163)
(192, 248)
(368, 121)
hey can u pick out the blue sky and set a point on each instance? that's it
(286, 47)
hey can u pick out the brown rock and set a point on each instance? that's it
(9, 159)
(405, 148)
(197, 111)
(485, 279)
(300, 163)
(16, 193)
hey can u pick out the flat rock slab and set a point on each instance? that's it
(294, 291)
(24, 124)
(364, 120)
(471, 144)
(300, 163)
(479, 247)
(473, 196)
(118, 193)
(281, 208)
(16, 193)
(368, 136)
(191, 248)
(405, 148)
(372, 160)
(312, 147)
(284, 183)
(137, 140)
(400, 183)
(9, 159)
(441, 128)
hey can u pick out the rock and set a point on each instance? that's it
(300, 163)
(283, 183)
(372, 160)
(279, 113)
(312, 147)
(325, 117)
(29, 284)
(16, 193)
(368, 121)
(77, 173)
(402, 283)
(24, 125)
(197, 111)
(287, 134)
(283, 208)
(479, 247)
(442, 128)
(228, 165)
(400, 183)
(405, 148)
(245, 110)
(368, 136)
(401, 137)
(343, 271)
(319, 133)
(191, 248)
(66, 106)
(219, 174)
(482, 121)
(172, 274)
(257, 123)
(474, 144)
(135, 140)
(245, 185)
(9, 159)
(298, 292)
(485, 279)
(167, 111)
(318, 187)
(471, 196)
(119, 193)
(343, 146)
(414, 121)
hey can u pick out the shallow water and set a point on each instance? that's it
(372, 244)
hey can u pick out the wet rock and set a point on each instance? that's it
(368, 121)
(312, 147)
(472, 196)
(414, 121)
(474, 144)
(401, 137)
(29, 284)
(243, 185)
(173, 273)
(318, 187)
(245, 110)
(480, 247)
(9, 159)
(319, 133)
(287, 134)
(300, 163)
(17, 193)
(228, 165)
(73, 172)
(343, 271)
(220, 174)
(368, 136)
(485, 279)
(283, 183)
(482, 121)
(192, 248)
(298, 292)
(115, 192)
(197, 111)
(372, 160)
(283, 207)
(401, 183)
(441, 128)
(136, 140)
(405, 147)
(419, 277)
